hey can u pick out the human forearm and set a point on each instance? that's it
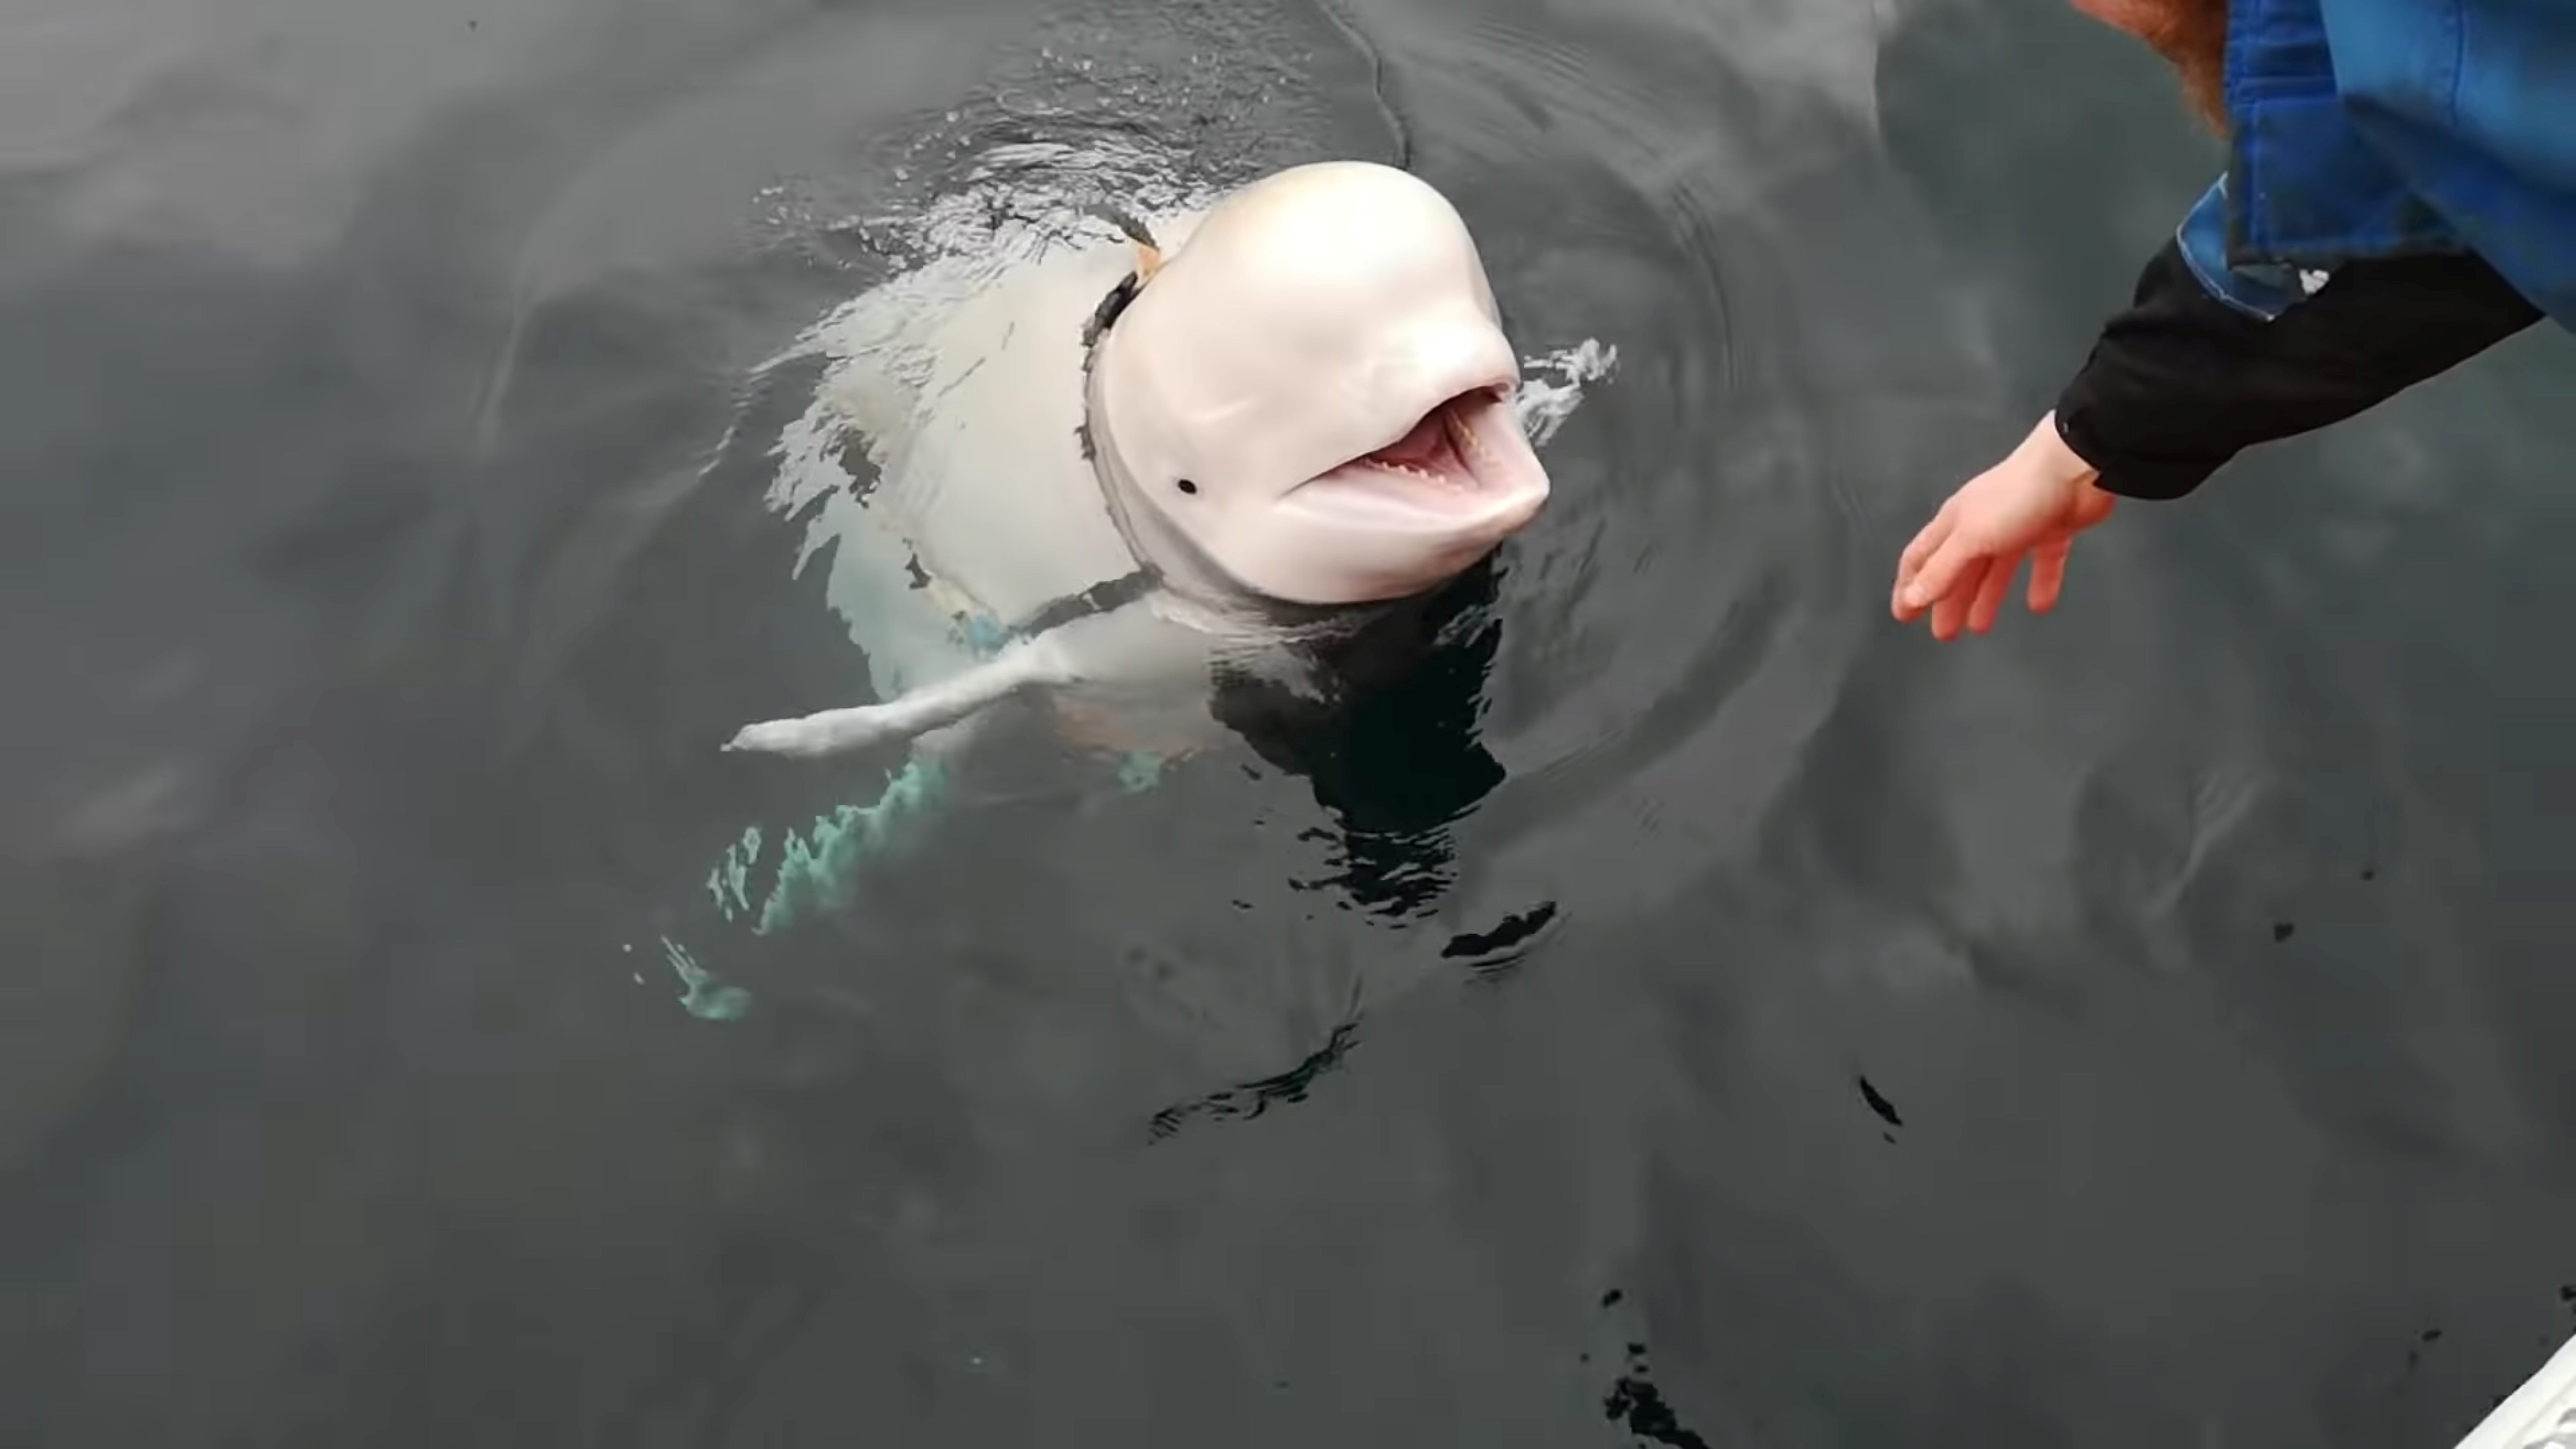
(2181, 382)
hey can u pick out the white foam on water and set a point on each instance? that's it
(1542, 404)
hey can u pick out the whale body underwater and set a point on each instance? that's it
(1107, 476)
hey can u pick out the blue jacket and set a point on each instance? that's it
(2375, 128)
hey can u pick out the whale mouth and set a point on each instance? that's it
(1463, 464)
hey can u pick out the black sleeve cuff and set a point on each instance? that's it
(2129, 475)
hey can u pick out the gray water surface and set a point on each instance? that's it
(1686, 1009)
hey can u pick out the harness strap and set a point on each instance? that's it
(1127, 588)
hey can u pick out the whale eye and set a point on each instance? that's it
(1189, 487)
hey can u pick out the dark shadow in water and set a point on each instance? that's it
(1492, 956)
(1238, 1104)
(1635, 1400)
(1636, 1404)
(1392, 750)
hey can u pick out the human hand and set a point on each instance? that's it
(2031, 505)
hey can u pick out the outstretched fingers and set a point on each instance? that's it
(1954, 568)
(1950, 610)
(2048, 572)
(1908, 599)
(1991, 591)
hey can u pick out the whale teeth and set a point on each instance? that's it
(1471, 449)
(1468, 442)
(1408, 470)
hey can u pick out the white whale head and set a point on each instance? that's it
(1314, 393)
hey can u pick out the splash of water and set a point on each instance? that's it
(730, 879)
(1541, 405)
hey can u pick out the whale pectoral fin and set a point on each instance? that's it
(914, 712)
(830, 732)
(1133, 638)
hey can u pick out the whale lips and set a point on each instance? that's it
(1465, 462)
(1439, 450)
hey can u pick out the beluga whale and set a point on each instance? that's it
(1105, 477)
